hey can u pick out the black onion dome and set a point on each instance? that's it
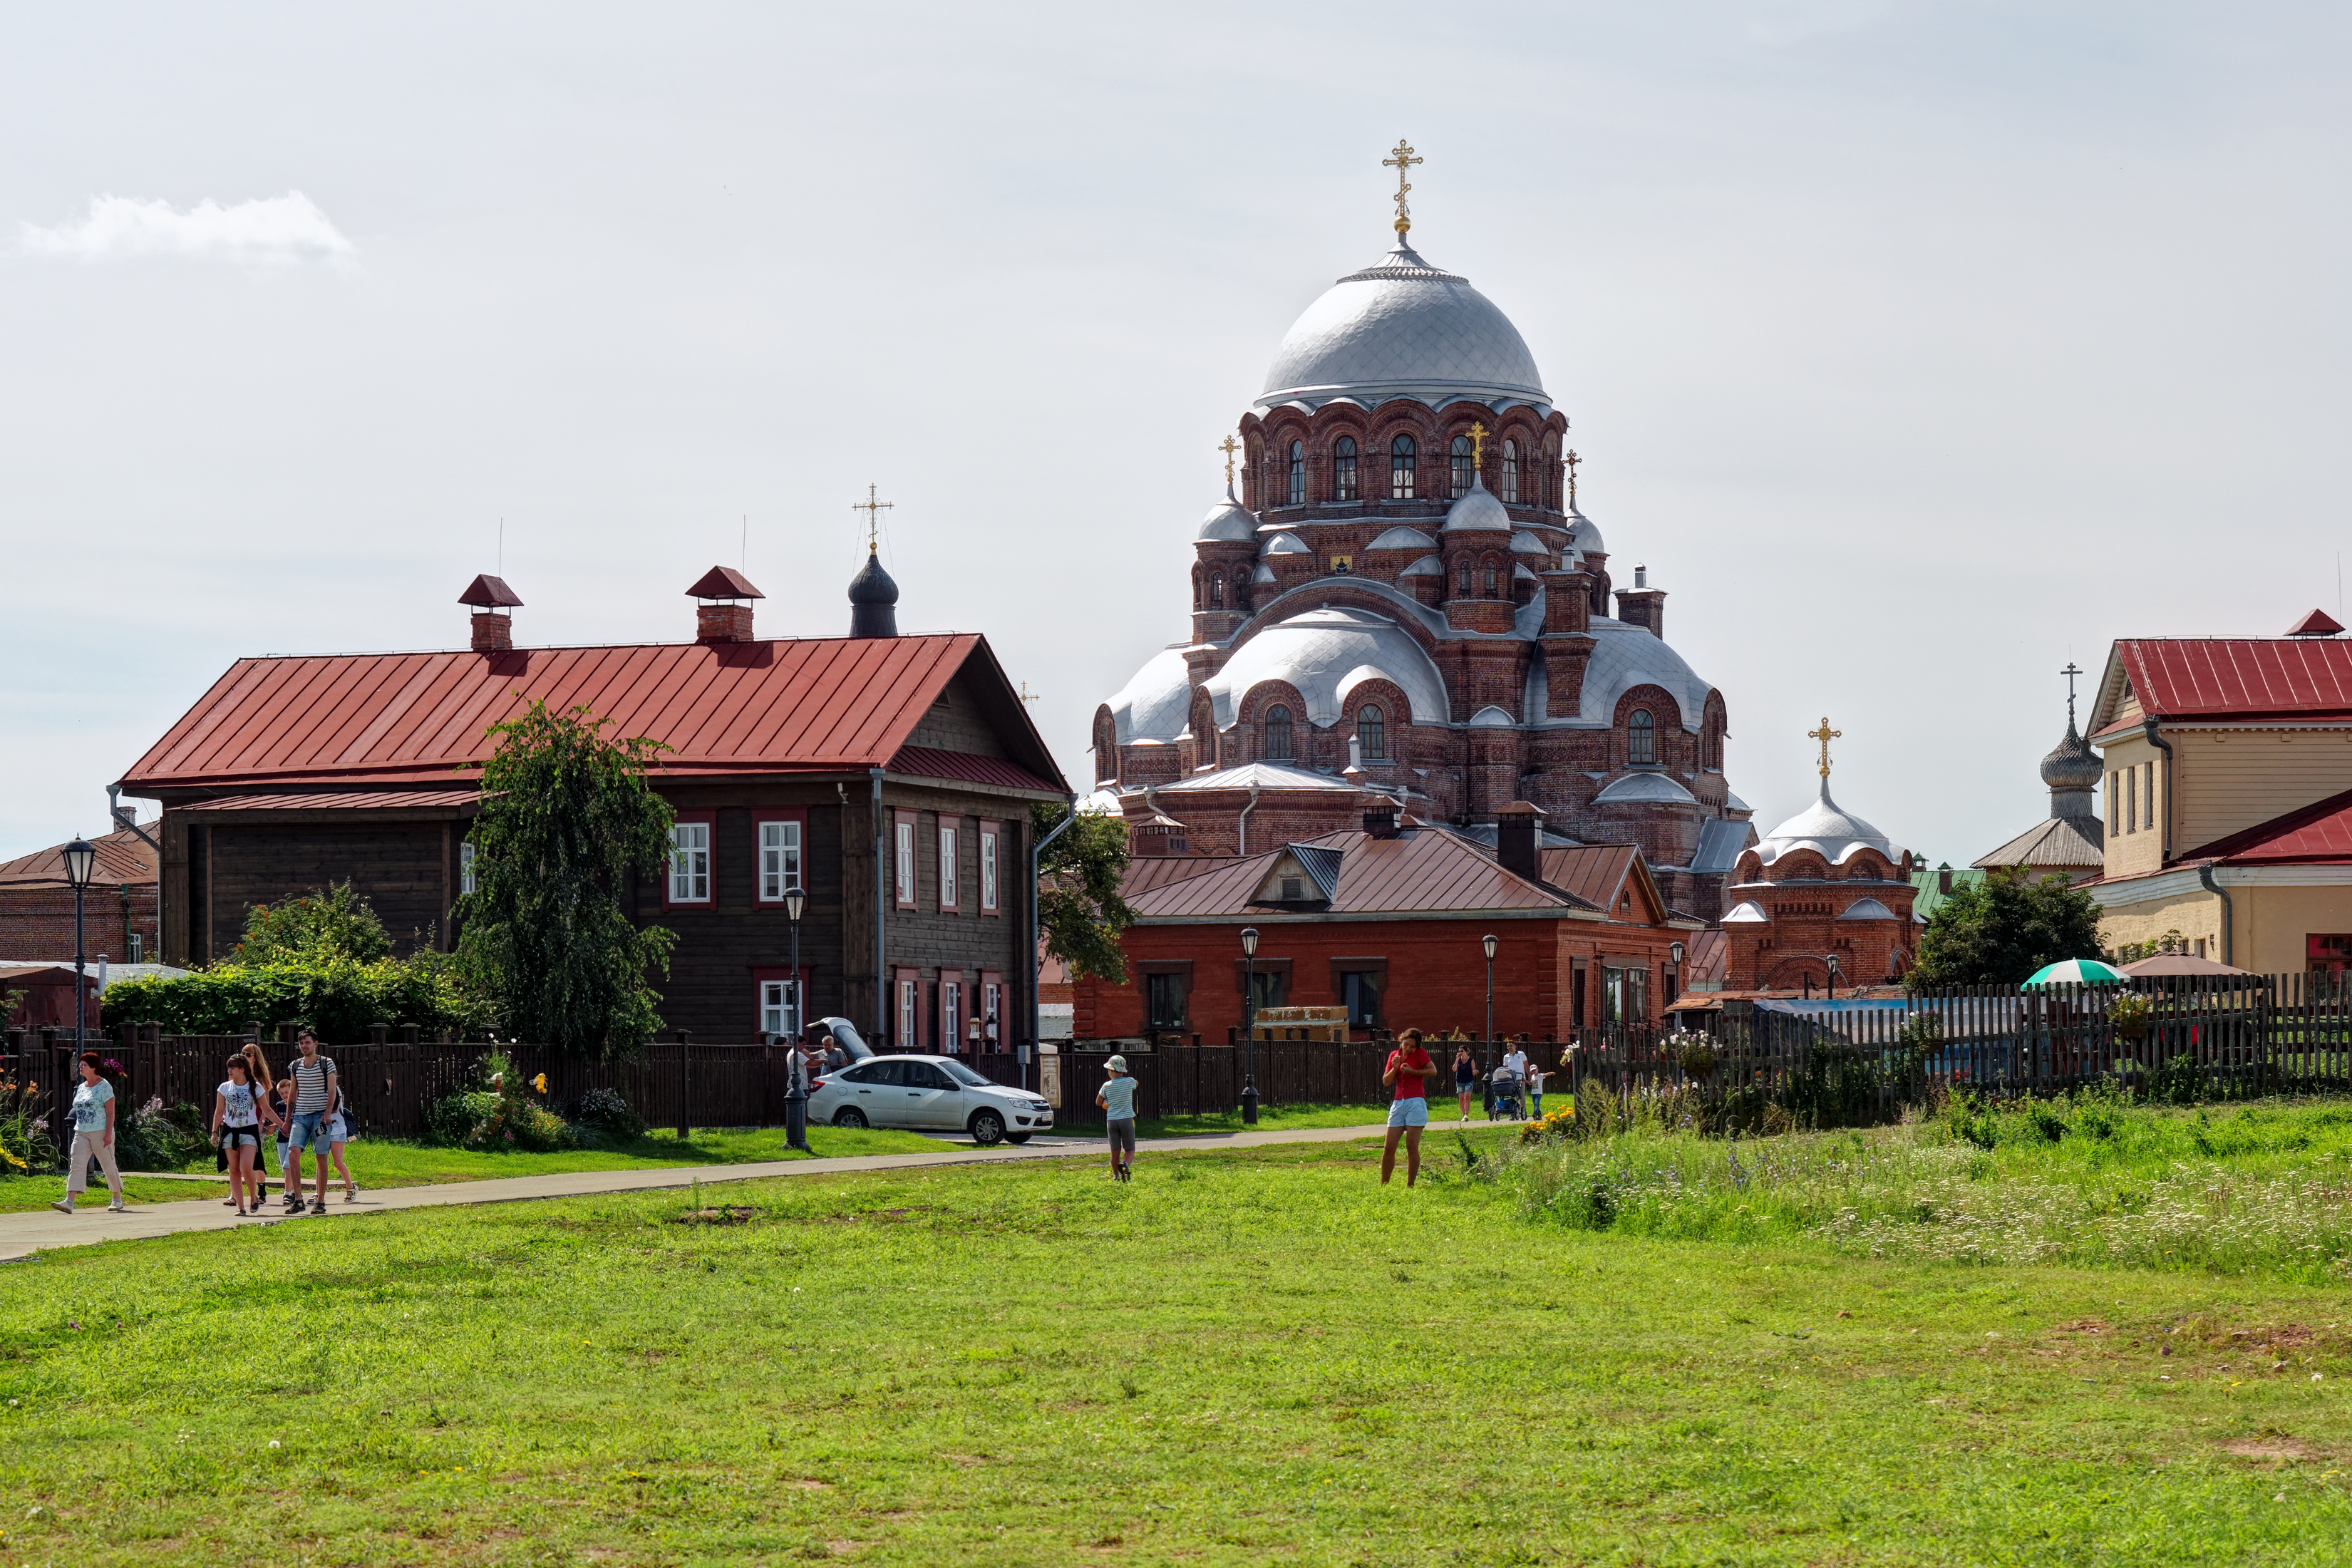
(2073, 765)
(874, 601)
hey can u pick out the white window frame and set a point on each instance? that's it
(991, 1012)
(988, 870)
(780, 1008)
(689, 863)
(950, 892)
(909, 1001)
(465, 868)
(779, 859)
(952, 1015)
(906, 868)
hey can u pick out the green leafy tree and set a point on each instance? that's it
(1999, 930)
(1080, 911)
(329, 922)
(567, 820)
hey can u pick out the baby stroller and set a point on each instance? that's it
(1503, 1100)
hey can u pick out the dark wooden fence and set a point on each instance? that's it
(1196, 1080)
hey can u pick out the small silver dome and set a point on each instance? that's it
(1526, 542)
(1229, 521)
(1402, 538)
(1829, 831)
(1401, 328)
(1478, 509)
(2072, 765)
(1286, 544)
(1584, 534)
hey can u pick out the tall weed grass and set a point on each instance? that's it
(2092, 1180)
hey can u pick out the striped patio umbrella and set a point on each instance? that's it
(2076, 972)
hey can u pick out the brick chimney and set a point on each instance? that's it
(1642, 605)
(1519, 839)
(721, 612)
(491, 599)
(1380, 816)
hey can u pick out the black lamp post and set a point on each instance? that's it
(1488, 942)
(1834, 974)
(1676, 952)
(1249, 1029)
(795, 900)
(81, 858)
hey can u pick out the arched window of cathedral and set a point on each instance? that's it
(1548, 482)
(1241, 590)
(1371, 733)
(1278, 734)
(1493, 584)
(1641, 738)
(1402, 457)
(1511, 472)
(1461, 475)
(1298, 473)
(1469, 582)
(1343, 469)
(1216, 593)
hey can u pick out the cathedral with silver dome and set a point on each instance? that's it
(1398, 605)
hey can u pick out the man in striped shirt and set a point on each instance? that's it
(318, 1094)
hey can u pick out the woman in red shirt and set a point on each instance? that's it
(1409, 1068)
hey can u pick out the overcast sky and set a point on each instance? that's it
(1915, 348)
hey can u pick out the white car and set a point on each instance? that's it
(926, 1094)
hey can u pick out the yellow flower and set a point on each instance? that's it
(540, 1083)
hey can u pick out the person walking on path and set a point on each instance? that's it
(265, 1090)
(93, 1139)
(239, 1106)
(1465, 1075)
(1514, 1062)
(796, 1093)
(290, 1159)
(317, 1095)
(1409, 1068)
(338, 1134)
(1118, 1101)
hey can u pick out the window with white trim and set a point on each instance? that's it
(780, 1007)
(780, 860)
(951, 1017)
(988, 869)
(906, 859)
(689, 863)
(465, 868)
(909, 992)
(992, 1010)
(949, 890)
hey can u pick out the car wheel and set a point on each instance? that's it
(849, 1116)
(1016, 1137)
(987, 1128)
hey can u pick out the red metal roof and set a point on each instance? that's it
(815, 705)
(1593, 872)
(1424, 872)
(373, 800)
(2319, 832)
(123, 860)
(2176, 677)
(930, 762)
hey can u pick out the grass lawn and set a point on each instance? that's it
(1243, 1356)
(391, 1163)
(19, 1193)
(1270, 1118)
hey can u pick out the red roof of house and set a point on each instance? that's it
(123, 860)
(1423, 872)
(2320, 832)
(2178, 678)
(812, 705)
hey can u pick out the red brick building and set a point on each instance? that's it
(1388, 921)
(1403, 594)
(889, 778)
(119, 916)
(1824, 883)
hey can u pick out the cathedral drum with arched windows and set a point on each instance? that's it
(1399, 603)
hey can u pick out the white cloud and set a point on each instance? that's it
(277, 231)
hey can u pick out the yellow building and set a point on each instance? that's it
(2227, 796)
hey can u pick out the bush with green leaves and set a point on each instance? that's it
(152, 1136)
(607, 1114)
(325, 923)
(451, 1120)
(339, 997)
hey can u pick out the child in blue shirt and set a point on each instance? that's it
(1118, 1102)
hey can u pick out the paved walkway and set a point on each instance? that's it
(23, 1235)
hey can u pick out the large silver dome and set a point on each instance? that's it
(1324, 655)
(1401, 328)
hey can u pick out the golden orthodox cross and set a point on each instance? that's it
(1571, 460)
(873, 509)
(1824, 735)
(1029, 696)
(1401, 159)
(1478, 448)
(1229, 446)
(2070, 672)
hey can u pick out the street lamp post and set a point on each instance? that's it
(1249, 1029)
(81, 856)
(1488, 942)
(1676, 952)
(1834, 974)
(795, 900)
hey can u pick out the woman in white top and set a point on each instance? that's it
(93, 1137)
(239, 1106)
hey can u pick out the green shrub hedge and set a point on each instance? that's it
(338, 996)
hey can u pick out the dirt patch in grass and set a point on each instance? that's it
(725, 1213)
(2272, 1446)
